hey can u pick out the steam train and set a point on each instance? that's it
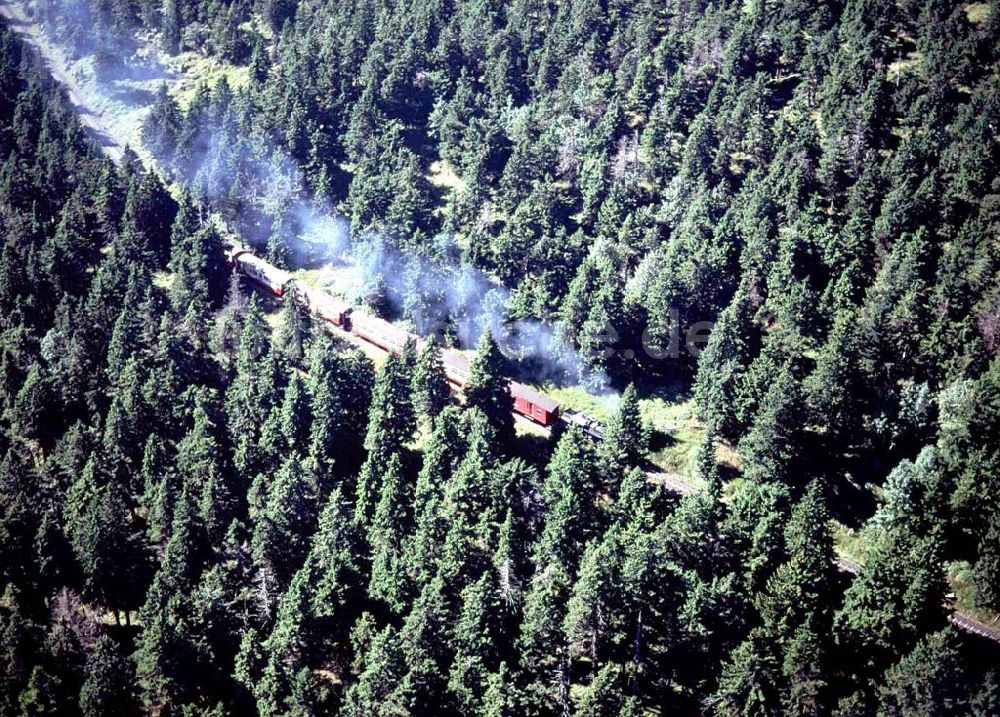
(525, 401)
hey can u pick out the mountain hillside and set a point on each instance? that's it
(779, 221)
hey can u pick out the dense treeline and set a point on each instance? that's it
(817, 178)
(637, 165)
(201, 514)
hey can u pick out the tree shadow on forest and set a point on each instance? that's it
(661, 440)
(672, 389)
(536, 449)
(844, 478)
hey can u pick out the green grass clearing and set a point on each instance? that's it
(675, 433)
(978, 12)
(849, 542)
(193, 69)
(577, 399)
(669, 414)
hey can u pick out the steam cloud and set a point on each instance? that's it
(256, 185)
(444, 297)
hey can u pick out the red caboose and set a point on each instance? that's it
(534, 405)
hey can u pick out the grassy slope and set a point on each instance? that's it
(192, 69)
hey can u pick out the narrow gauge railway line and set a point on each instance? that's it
(963, 622)
(526, 402)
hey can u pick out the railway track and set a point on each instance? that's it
(963, 622)
(974, 626)
(673, 482)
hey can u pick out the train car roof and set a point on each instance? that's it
(455, 360)
(268, 269)
(360, 318)
(320, 298)
(519, 390)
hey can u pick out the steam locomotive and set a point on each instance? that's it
(525, 401)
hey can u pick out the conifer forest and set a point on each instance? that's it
(472, 358)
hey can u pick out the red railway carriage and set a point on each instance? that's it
(379, 332)
(324, 305)
(529, 403)
(268, 276)
(534, 405)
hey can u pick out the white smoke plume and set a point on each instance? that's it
(446, 297)
(255, 184)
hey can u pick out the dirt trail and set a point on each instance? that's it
(57, 64)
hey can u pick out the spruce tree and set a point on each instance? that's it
(805, 669)
(202, 468)
(108, 686)
(986, 570)
(41, 694)
(441, 458)
(424, 636)
(171, 26)
(750, 680)
(626, 438)
(592, 604)
(706, 467)
(326, 431)
(381, 671)
(569, 492)
(895, 601)
(294, 330)
(287, 647)
(540, 643)
(773, 443)
(282, 530)
(488, 389)
(500, 698)
(391, 419)
(928, 680)
(720, 365)
(296, 415)
(430, 384)
(333, 559)
(603, 695)
(386, 536)
(474, 644)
